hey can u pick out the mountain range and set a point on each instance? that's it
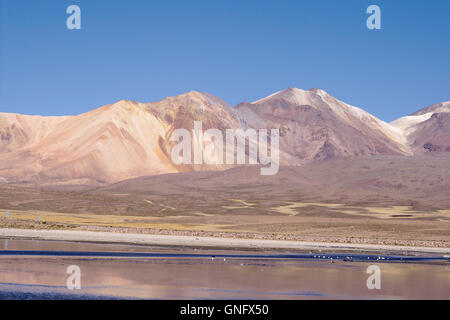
(129, 139)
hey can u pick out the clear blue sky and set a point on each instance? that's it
(238, 50)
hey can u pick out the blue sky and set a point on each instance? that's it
(239, 50)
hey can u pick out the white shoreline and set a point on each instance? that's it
(211, 242)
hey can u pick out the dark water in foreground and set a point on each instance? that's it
(32, 269)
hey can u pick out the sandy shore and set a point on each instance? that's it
(211, 242)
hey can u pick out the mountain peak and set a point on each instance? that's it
(202, 98)
(123, 102)
(438, 107)
(129, 139)
(294, 95)
(194, 94)
(318, 91)
(121, 106)
(289, 94)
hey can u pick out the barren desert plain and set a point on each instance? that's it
(375, 200)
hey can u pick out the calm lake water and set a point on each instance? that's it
(31, 269)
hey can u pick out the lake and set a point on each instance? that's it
(31, 269)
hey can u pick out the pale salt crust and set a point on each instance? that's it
(212, 242)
